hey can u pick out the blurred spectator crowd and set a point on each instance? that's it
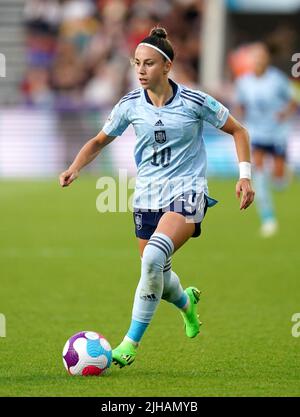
(78, 51)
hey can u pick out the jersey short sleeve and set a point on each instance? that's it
(214, 112)
(117, 121)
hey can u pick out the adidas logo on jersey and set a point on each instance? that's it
(159, 123)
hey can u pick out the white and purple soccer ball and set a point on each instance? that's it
(87, 353)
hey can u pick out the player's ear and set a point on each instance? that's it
(167, 67)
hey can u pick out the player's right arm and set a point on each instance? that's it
(86, 154)
(114, 126)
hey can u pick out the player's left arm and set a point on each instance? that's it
(287, 93)
(288, 110)
(242, 145)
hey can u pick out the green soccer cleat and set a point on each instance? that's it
(190, 317)
(124, 354)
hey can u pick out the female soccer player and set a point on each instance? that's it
(264, 99)
(171, 196)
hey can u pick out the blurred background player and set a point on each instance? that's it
(265, 102)
(170, 198)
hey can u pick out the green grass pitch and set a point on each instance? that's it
(65, 268)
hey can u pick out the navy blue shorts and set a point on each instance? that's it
(276, 150)
(192, 206)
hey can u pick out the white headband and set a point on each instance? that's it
(155, 47)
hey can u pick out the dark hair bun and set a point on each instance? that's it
(159, 33)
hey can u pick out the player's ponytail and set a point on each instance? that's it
(158, 39)
(159, 33)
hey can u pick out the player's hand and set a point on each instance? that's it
(67, 177)
(244, 188)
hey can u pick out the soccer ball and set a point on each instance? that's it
(87, 353)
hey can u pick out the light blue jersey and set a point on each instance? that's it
(170, 152)
(263, 98)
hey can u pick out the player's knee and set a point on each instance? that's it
(156, 253)
(153, 260)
